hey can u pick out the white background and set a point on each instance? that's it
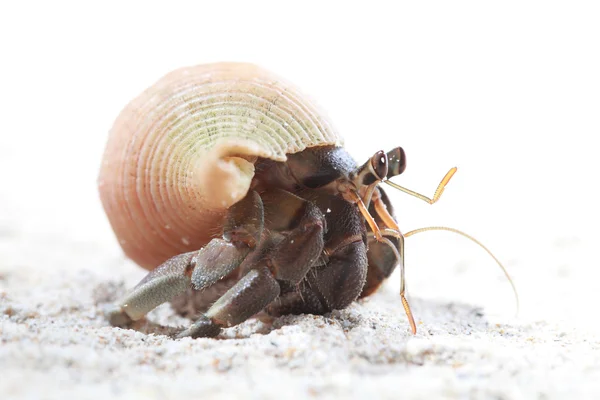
(509, 92)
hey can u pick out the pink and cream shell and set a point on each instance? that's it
(183, 151)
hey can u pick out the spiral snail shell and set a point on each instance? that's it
(182, 152)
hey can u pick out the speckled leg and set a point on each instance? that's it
(200, 269)
(282, 264)
(247, 297)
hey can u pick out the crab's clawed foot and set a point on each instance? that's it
(248, 296)
(203, 327)
(117, 317)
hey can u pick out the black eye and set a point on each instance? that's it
(397, 162)
(379, 162)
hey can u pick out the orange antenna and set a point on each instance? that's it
(395, 231)
(438, 191)
(399, 255)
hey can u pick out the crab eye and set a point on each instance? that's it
(396, 161)
(379, 162)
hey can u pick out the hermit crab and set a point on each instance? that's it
(226, 175)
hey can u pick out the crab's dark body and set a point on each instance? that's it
(294, 244)
(307, 175)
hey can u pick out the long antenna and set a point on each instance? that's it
(436, 196)
(438, 191)
(471, 238)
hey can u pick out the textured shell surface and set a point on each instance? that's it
(183, 152)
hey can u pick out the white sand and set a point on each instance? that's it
(54, 342)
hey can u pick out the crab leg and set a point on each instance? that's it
(243, 228)
(285, 262)
(247, 297)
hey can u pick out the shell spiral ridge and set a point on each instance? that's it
(182, 152)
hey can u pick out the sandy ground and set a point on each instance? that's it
(55, 341)
(507, 92)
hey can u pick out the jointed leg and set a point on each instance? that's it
(340, 282)
(304, 226)
(298, 225)
(328, 287)
(175, 276)
(247, 297)
(199, 268)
